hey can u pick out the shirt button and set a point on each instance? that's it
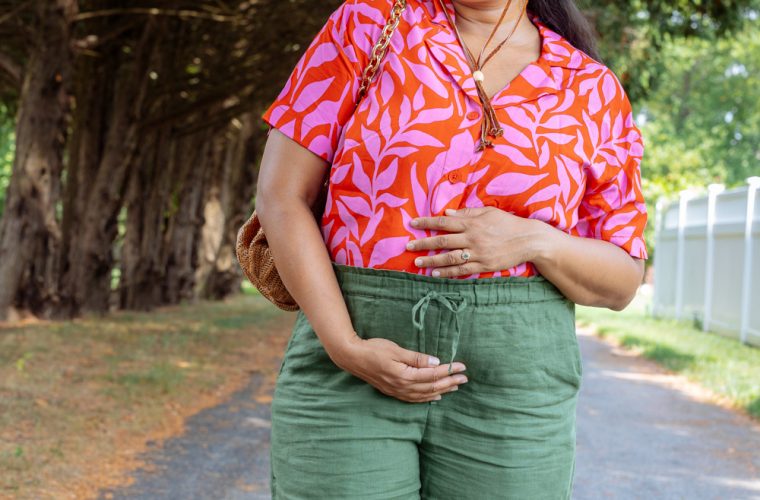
(472, 115)
(453, 176)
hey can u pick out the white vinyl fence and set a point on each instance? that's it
(707, 264)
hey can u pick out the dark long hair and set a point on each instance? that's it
(565, 18)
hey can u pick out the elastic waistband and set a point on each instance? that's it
(402, 285)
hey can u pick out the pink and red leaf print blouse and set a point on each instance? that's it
(570, 154)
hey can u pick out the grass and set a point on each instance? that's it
(721, 364)
(79, 399)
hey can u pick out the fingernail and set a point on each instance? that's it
(438, 398)
(410, 246)
(461, 379)
(418, 262)
(432, 360)
(436, 273)
(455, 388)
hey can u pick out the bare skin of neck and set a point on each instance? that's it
(476, 18)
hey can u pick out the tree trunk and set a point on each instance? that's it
(94, 92)
(218, 273)
(147, 202)
(90, 259)
(29, 231)
(198, 156)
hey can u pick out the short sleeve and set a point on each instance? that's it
(319, 95)
(613, 206)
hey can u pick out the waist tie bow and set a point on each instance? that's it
(453, 301)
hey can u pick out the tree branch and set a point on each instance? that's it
(12, 69)
(182, 13)
(15, 11)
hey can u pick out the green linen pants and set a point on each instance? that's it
(507, 433)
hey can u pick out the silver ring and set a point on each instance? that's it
(465, 255)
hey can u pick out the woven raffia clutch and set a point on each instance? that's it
(252, 249)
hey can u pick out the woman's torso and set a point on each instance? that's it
(409, 150)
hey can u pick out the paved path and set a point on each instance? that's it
(638, 438)
(223, 454)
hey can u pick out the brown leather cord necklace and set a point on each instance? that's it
(490, 125)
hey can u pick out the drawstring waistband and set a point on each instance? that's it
(454, 301)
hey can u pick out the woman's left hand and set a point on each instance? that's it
(495, 239)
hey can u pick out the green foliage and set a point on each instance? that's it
(702, 124)
(7, 152)
(633, 34)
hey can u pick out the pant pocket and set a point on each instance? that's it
(573, 334)
(563, 361)
(296, 331)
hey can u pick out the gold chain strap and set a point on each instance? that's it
(378, 51)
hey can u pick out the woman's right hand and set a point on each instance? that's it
(406, 375)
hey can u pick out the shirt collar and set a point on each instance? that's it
(546, 75)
